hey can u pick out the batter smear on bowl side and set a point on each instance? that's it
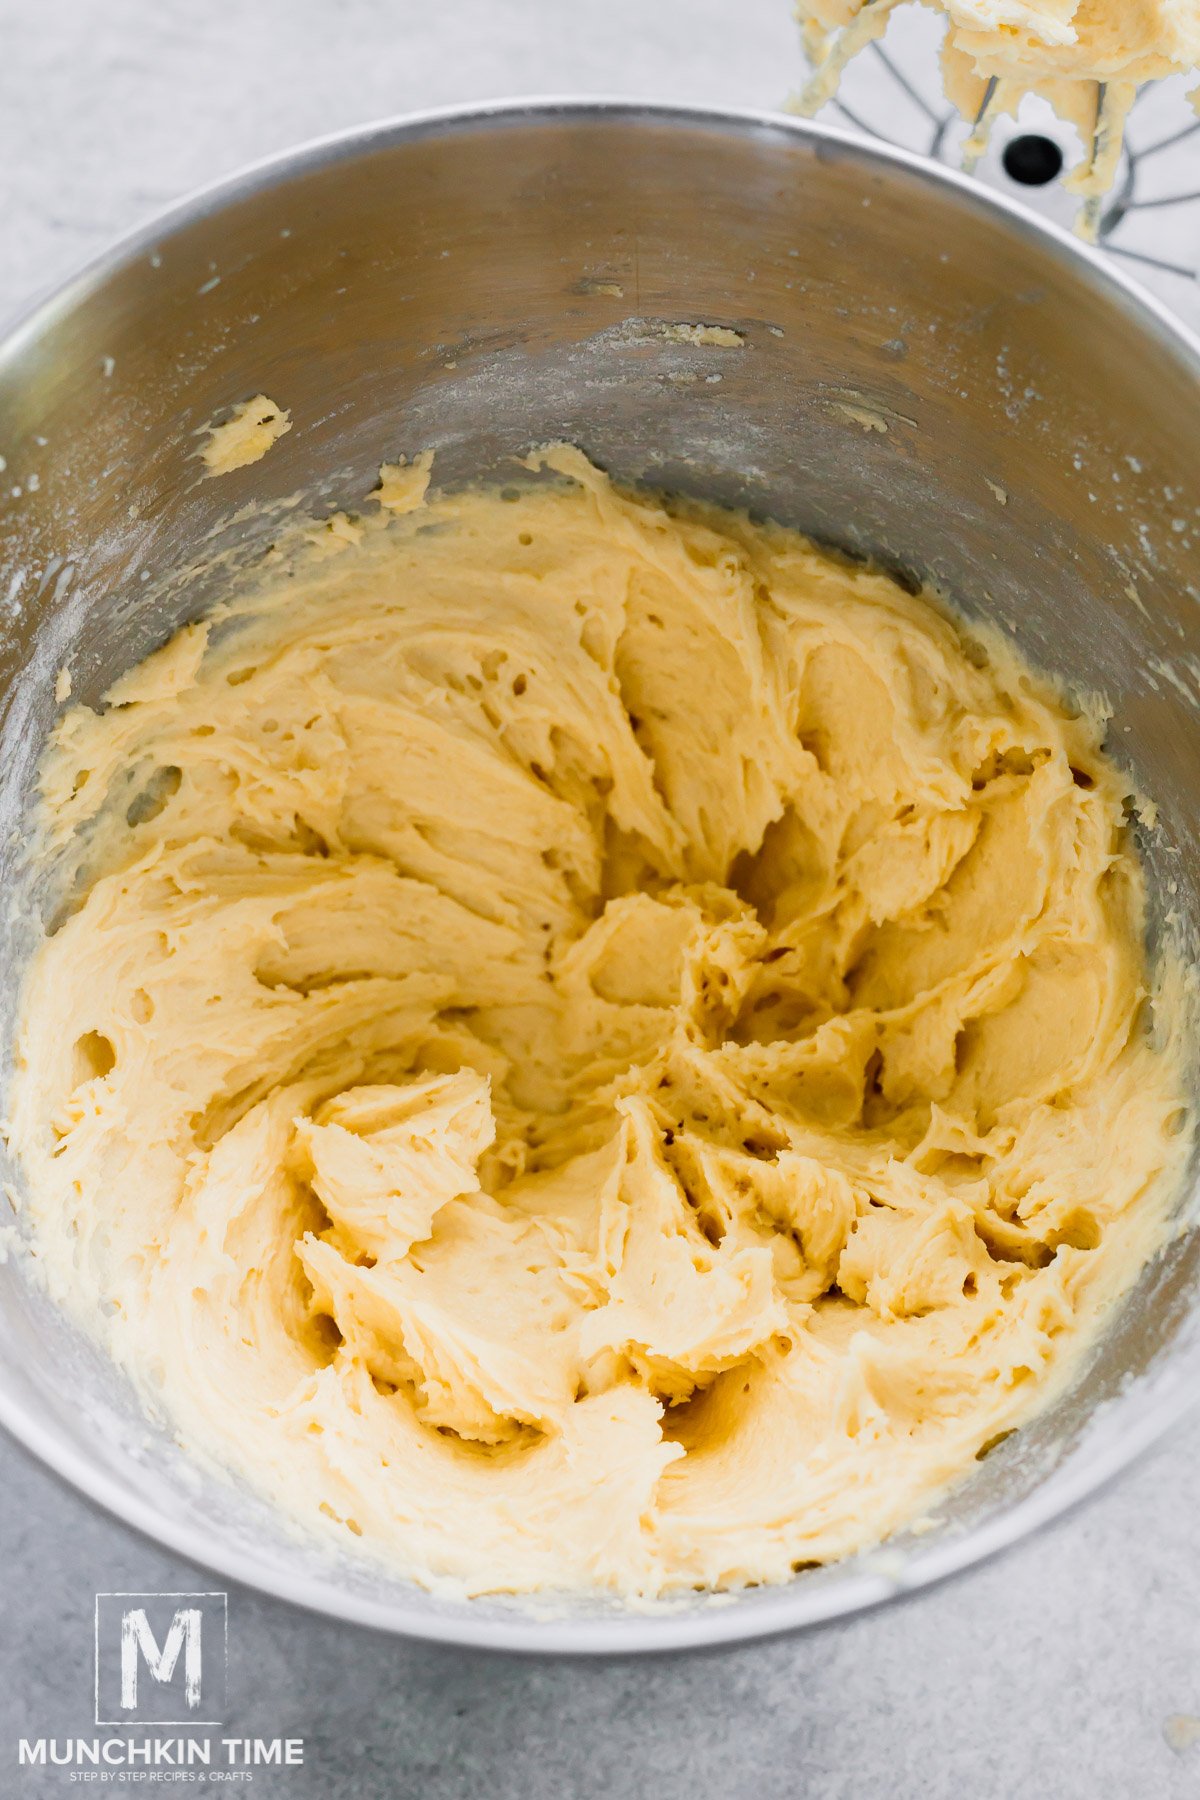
(597, 1046)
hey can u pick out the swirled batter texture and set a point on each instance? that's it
(597, 1047)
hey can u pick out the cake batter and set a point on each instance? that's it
(597, 1046)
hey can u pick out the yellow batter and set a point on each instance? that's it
(245, 436)
(598, 1046)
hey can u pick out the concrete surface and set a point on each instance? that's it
(1071, 1668)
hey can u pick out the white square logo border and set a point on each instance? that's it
(210, 1595)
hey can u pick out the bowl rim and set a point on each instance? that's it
(623, 1631)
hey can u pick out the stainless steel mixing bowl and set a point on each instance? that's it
(927, 376)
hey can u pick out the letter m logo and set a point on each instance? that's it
(160, 1659)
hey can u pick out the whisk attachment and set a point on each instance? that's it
(1094, 178)
(1086, 80)
(981, 129)
(869, 22)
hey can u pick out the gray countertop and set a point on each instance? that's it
(1072, 1666)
